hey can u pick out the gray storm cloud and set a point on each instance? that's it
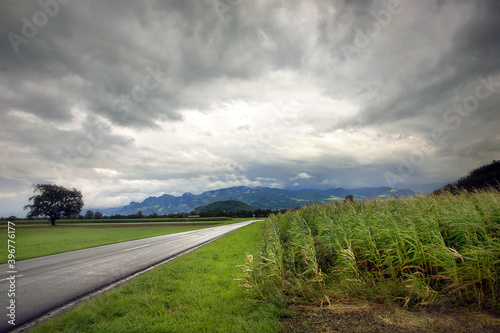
(127, 99)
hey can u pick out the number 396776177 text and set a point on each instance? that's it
(11, 271)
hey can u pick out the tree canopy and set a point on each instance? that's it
(483, 178)
(55, 202)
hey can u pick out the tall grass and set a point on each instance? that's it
(425, 250)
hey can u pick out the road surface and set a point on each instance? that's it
(46, 283)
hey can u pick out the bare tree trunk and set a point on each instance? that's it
(53, 220)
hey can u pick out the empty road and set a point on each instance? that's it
(46, 283)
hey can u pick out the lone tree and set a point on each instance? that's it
(55, 202)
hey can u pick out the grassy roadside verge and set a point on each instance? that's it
(32, 243)
(195, 293)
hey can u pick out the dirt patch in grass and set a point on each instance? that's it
(121, 225)
(350, 317)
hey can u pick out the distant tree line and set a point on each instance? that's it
(239, 213)
(219, 213)
(10, 218)
(91, 215)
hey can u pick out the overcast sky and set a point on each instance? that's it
(127, 99)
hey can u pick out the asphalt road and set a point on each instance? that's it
(46, 283)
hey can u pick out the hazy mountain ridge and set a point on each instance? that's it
(258, 197)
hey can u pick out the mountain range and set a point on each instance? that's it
(257, 197)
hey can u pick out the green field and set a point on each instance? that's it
(197, 292)
(122, 220)
(37, 242)
(428, 251)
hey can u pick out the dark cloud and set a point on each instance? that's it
(473, 52)
(477, 43)
(127, 98)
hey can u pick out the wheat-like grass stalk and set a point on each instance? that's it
(422, 250)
